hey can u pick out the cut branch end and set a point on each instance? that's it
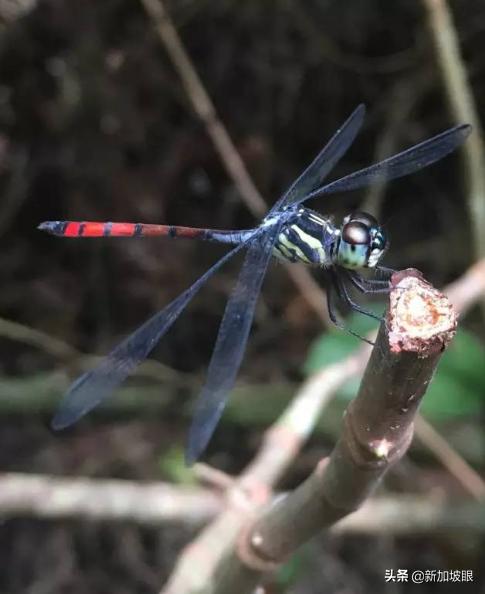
(420, 319)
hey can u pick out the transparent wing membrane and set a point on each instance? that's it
(230, 344)
(324, 162)
(99, 383)
(413, 159)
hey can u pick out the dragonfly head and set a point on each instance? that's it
(362, 241)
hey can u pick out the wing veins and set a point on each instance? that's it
(230, 343)
(404, 163)
(97, 384)
(324, 162)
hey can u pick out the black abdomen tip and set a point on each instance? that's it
(53, 227)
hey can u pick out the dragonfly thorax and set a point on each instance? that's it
(307, 237)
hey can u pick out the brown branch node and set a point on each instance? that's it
(372, 454)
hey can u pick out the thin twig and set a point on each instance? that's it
(469, 288)
(450, 459)
(60, 349)
(463, 106)
(36, 338)
(203, 106)
(408, 514)
(145, 503)
(218, 480)
(155, 504)
(327, 50)
(401, 101)
(230, 158)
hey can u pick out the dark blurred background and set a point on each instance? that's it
(95, 125)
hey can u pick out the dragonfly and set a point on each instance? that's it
(289, 231)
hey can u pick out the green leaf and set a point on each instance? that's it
(456, 390)
(336, 344)
(291, 571)
(172, 464)
(458, 387)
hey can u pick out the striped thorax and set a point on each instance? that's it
(313, 239)
(307, 237)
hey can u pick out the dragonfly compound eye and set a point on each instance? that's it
(365, 218)
(356, 233)
(353, 248)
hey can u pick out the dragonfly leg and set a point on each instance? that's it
(346, 298)
(386, 270)
(365, 285)
(333, 290)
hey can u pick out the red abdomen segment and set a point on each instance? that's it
(97, 229)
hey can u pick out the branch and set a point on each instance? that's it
(401, 101)
(377, 431)
(358, 462)
(203, 106)
(450, 459)
(463, 106)
(469, 288)
(411, 515)
(228, 154)
(155, 504)
(146, 503)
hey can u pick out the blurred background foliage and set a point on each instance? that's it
(94, 125)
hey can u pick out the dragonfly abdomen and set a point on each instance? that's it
(109, 229)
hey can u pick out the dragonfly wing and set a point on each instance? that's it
(96, 385)
(411, 160)
(230, 344)
(324, 162)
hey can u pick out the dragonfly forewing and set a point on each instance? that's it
(231, 343)
(412, 159)
(324, 162)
